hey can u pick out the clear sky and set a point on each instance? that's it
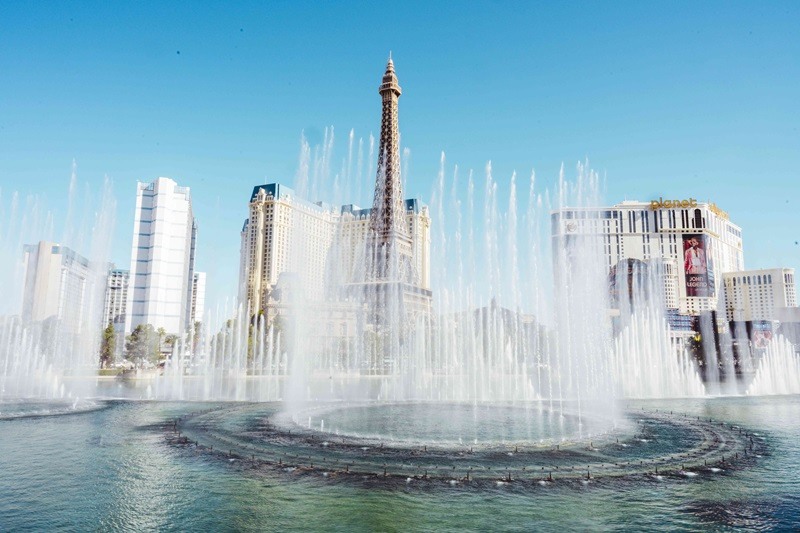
(672, 99)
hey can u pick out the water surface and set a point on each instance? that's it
(111, 469)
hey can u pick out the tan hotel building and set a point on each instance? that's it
(319, 244)
(695, 241)
(761, 294)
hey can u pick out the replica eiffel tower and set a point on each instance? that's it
(392, 278)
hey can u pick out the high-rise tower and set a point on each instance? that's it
(162, 257)
(389, 241)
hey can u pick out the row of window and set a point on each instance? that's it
(765, 279)
(640, 221)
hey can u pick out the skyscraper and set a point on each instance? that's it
(162, 257)
(59, 283)
(198, 298)
(115, 308)
(285, 233)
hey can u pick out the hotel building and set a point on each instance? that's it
(284, 233)
(59, 283)
(162, 257)
(759, 294)
(693, 241)
(324, 246)
(115, 307)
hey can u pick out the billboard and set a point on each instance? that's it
(696, 266)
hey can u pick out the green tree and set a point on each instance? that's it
(163, 342)
(198, 331)
(143, 344)
(169, 342)
(108, 346)
(251, 341)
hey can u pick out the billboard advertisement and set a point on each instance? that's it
(696, 266)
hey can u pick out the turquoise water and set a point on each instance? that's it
(111, 469)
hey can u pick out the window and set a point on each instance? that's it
(698, 219)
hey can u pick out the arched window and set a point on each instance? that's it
(698, 218)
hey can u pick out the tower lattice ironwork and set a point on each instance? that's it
(389, 238)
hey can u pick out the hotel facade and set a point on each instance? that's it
(323, 246)
(694, 243)
(759, 294)
(115, 306)
(59, 283)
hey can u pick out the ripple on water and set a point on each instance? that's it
(752, 515)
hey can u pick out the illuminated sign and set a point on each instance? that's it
(669, 204)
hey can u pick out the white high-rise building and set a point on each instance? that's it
(162, 257)
(115, 308)
(759, 294)
(59, 283)
(694, 241)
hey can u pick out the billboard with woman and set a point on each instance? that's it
(695, 265)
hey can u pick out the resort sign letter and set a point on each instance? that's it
(669, 204)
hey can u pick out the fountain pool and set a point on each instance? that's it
(398, 442)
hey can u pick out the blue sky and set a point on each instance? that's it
(671, 99)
